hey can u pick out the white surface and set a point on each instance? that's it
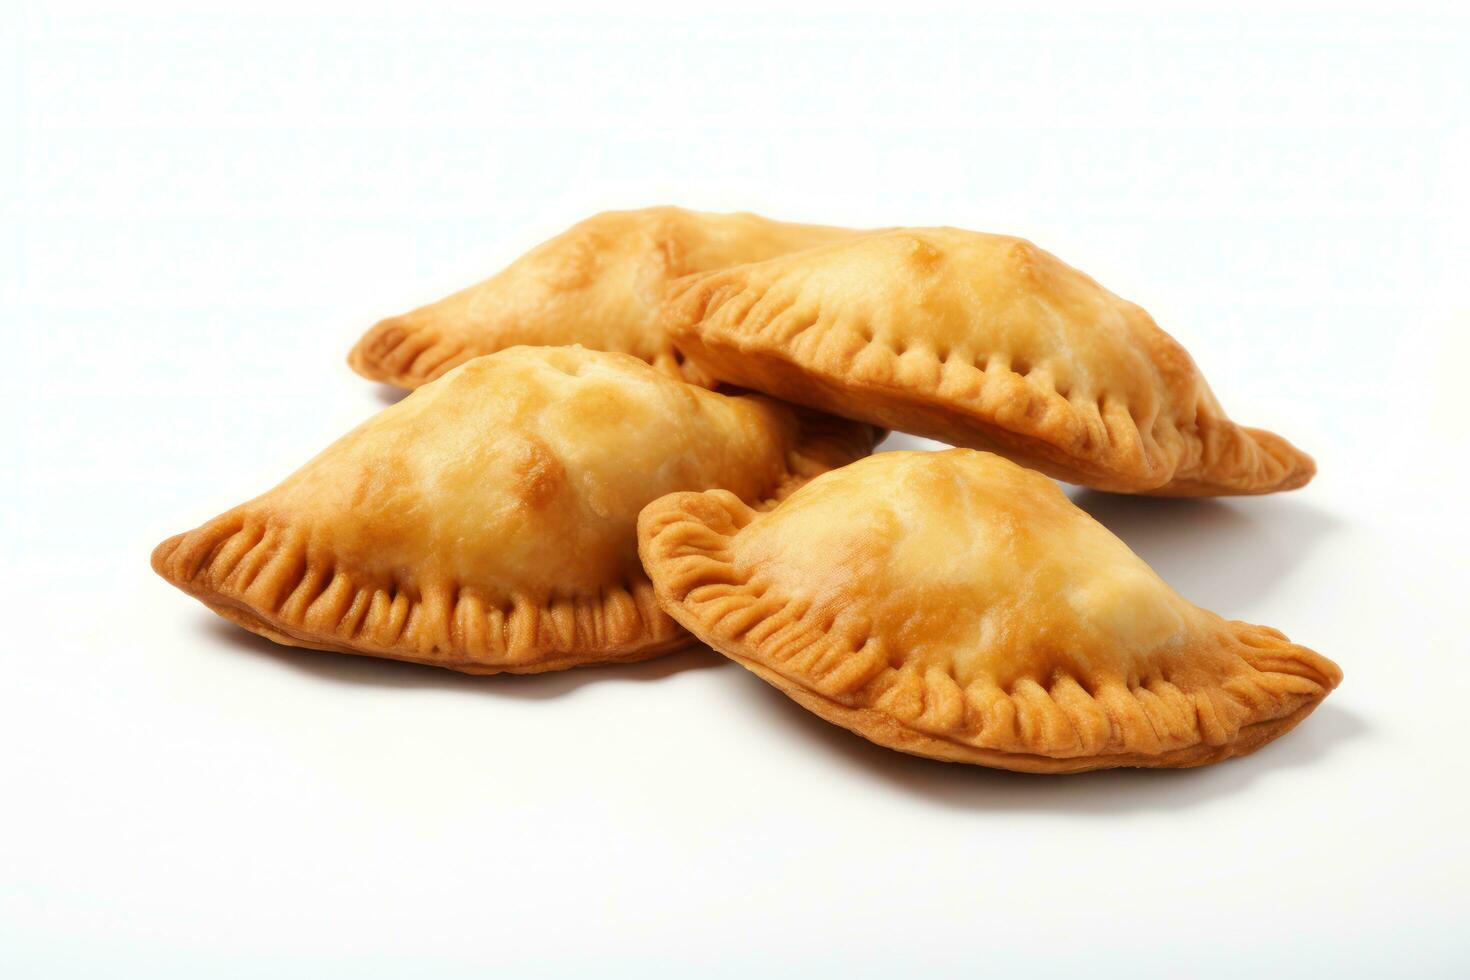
(202, 211)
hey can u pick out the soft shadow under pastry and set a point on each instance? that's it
(597, 284)
(982, 341)
(488, 521)
(957, 606)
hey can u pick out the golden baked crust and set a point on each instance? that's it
(982, 341)
(488, 521)
(957, 606)
(598, 284)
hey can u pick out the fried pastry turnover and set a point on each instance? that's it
(957, 606)
(598, 284)
(982, 341)
(488, 521)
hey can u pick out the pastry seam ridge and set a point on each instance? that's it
(1212, 455)
(265, 569)
(1062, 719)
(397, 352)
(410, 355)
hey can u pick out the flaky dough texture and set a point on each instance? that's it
(983, 341)
(597, 284)
(488, 521)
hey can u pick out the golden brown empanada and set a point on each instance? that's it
(598, 284)
(957, 606)
(488, 521)
(984, 341)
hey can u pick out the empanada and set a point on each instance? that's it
(957, 606)
(598, 284)
(983, 341)
(488, 521)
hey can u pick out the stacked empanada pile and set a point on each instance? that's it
(657, 428)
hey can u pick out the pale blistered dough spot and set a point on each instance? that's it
(1003, 563)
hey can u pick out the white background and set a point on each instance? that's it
(202, 210)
